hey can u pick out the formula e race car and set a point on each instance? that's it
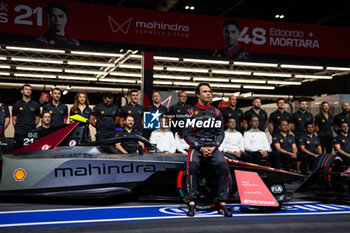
(61, 164)
(329, 182)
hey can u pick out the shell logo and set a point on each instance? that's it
(19, 174)
(278, 117)
(129, 111)
(196, 113)
(102, 112)
(21, 108)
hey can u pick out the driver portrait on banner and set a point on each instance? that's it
(57, 16)
(231, 33)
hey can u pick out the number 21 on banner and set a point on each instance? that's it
(26, 12)
(258, 36)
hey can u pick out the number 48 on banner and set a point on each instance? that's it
(258, 35)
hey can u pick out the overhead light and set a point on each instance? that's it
(205, 79)
(2, 58)
(5, 67)
(65, 92)
(137, 75)
(34, 75)
(130, 66)
(313, 76)
(245, 95)
(39, 60)
(187, 7)
(235, 72)
(272, 96)
(38, 69)
(158, 68)
(171, 77)
(281, 16)
(259, 87)
(162, 82)
(77, 78)
(85, 72)
(236, 93)
(185, 83)
(136, 56)
(4, 73)
(248, 81)
(206, 61)
(302, 67)
(272, 74)
(118, 80)
(338, 68)
(225, 85)
(35, 49)
(161, 58)
(97, 54)
(283, 82)
(192, 8)
(180, 69)
(240, 63)
(277, 16)
(86, 63)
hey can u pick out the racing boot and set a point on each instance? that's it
(191, 209)
(223, 210)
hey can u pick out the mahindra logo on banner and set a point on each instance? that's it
(115, 26)
(149, 27)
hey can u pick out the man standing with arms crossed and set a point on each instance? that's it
(204, 143)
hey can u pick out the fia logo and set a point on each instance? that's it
(115, 26)
(151, 120)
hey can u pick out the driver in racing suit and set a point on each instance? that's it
(204, 142)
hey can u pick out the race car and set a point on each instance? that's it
(329, 182)
(61, 164)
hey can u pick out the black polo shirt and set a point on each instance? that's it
(324, 124)
(343, 141)
(276, 117)
(136, 111)
(230, 113)
(262, 118)
(311, 144)
(151, 108)
(4, 113)
(285, 142)
(299, 119)
(179, 110)
(26, 114)
(85, 113)
(129, 145)
(58, 113)
(340, 118)
(106, 118)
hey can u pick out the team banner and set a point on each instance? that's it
(74, 23)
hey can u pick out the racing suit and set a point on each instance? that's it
(205, 135)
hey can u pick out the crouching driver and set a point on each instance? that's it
(204, 138)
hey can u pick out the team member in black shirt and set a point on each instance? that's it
(256, 110)
(81, 107)
(134, 109)
(310, 148)
(131, 145)
(300, 119)
(342, 143)
(324, 121)
(233, 112)
(178, 111)
(285, 145)
(105, 117)
(45, 122)
(344, 116)
(58, 111)
(25, 114)
(4, 119)
(277, 116)
(156, 104)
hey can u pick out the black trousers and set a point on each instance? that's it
(306, 159)
(273, 156)
(326, 143)
(217, 159)
(244, 157)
